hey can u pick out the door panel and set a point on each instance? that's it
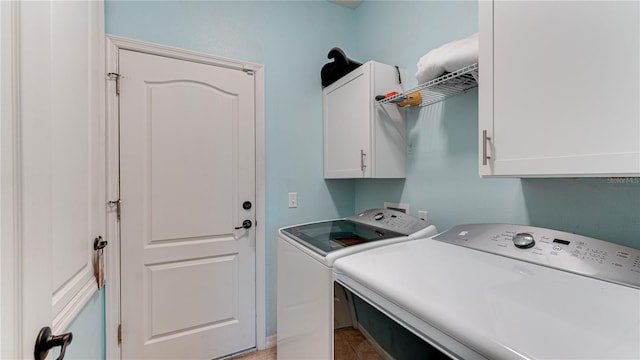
(164, 280)
(187, 164)
(177, 211)
(60, 201)
(76, 199)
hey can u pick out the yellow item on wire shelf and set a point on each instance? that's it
(413, 99)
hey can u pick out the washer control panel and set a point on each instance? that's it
(557, 249)
(391, 220)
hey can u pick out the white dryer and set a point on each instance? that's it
(500, 291)
(306, 254)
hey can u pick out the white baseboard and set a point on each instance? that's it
(271, 341)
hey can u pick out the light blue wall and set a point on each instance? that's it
(442, 150)
(88, 332)
(292, 39)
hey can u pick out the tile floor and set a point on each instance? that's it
(268, 354)
(349, 344)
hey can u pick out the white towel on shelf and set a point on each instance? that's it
(449, 57)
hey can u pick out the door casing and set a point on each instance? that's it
(10, 190)
(114, 44)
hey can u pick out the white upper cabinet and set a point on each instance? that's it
(363, 139)
(559, 88)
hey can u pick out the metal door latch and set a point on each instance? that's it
(115, 77)
(115, 203)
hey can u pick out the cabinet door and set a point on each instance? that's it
(560, 88)
(347, 114)
(388, 145)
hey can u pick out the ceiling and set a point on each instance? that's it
(348, 3)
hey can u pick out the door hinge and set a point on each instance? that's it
(115, 203)
(115, 77)
(248, 71)
(119, 334)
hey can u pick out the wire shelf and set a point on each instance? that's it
(441, 88)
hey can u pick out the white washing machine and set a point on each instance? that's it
(306, 254)
(499, 291)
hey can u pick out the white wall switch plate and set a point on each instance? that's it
(423, 215)
(293, 199)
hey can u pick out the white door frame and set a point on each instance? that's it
(115, 43)
(10, 189)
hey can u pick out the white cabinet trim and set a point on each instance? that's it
(485, 98)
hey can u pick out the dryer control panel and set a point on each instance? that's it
(557, 249)
(391, 220)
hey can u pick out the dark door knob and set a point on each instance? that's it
(246, 205)
(245, 225)
(45, 341)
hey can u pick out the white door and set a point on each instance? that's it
(187, 160)
(57, 188)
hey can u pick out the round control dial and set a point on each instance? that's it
(523, 240)
(378, 216)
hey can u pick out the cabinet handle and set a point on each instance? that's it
(362, 158)
(485, 138)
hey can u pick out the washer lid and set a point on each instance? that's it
(372, 225)
(327, 236)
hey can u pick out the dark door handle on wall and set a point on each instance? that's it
(247, 224)
(46, 341)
